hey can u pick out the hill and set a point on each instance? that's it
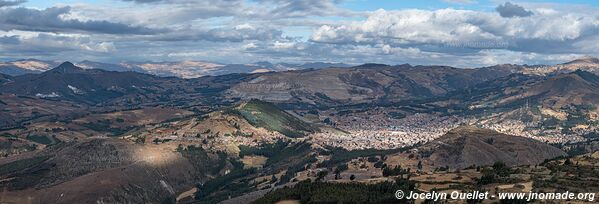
(578, 87)
(249, 124)
(589, 64)
(468, 146)
(574, 88)
(369, 83)
(106, 170)
(533, 105)
(182, 69)
(269, 116)
(361, 84)
(87, 86)
(26, 66)
(5, 78)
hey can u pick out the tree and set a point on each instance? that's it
(341, 167)
(328, 121)
(373, 159)
(397, 170)
(350, 192)
(419, 166)
(379, 164)
(337, 175)
(352, 177)
(567, 162)
(320, 175)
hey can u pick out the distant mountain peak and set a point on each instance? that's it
(372, 65)
(66, 67)
(67, 64)
(586, 60)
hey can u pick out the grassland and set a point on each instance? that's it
(269, 116)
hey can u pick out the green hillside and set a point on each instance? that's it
(269, 116)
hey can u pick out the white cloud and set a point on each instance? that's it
(43, 44)
(436, 29)
(244, 31)
(512, 10)
(6, 3)
(105, 47)
(53, 20)
(249, 46)
(283, 45)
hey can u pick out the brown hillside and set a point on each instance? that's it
(467, 146)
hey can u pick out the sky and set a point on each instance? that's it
(460, 33)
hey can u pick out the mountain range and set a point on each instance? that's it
(438, 86)
(182, 69)
(75, 133)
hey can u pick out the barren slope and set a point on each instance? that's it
(467, 146)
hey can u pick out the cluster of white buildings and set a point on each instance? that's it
(373, 131)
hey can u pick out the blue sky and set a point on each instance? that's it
(462, 33)
(356, 5)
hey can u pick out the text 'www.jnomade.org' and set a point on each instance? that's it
(480, 195)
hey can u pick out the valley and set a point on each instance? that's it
(299, 102)
(72, 134)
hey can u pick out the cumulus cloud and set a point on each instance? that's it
(12, 40)
(456, 31)
(293, 8)
(272, 8)
(246, 9)
(408, 27)
(509, 10)
(238, 33)
(4, 3)
(51, 20)
(243, 31)
(53, 43)
(281, 8)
